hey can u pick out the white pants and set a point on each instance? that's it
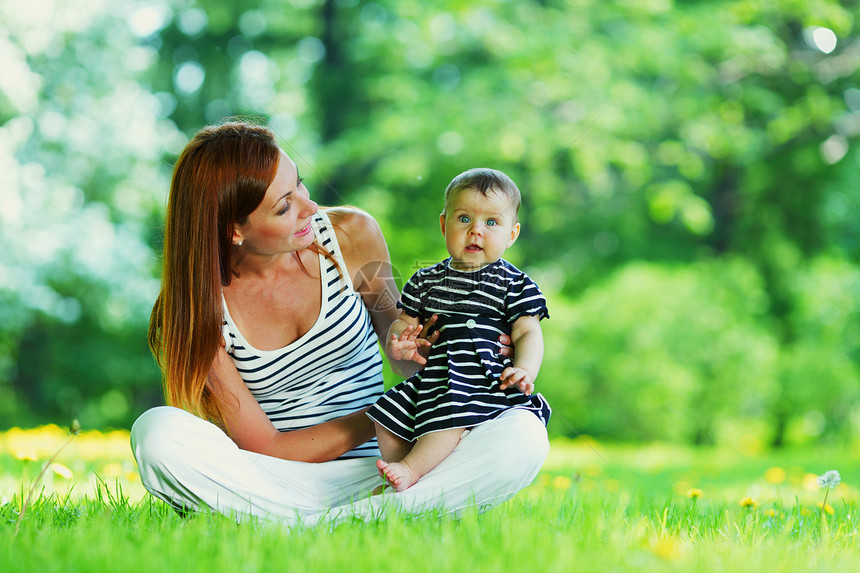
(190, 463)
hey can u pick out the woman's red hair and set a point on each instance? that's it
(219, 179)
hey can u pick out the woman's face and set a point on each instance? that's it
(282, 221)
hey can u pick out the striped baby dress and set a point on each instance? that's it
(459, 385)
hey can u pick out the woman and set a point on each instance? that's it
(266, 330)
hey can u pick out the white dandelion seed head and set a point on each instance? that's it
(829, 479)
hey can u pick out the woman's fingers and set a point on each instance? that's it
(428, 325)
(507, 346)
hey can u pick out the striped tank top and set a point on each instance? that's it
(332, 370)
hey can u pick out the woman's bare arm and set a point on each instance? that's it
(251, 429)
(369, 265)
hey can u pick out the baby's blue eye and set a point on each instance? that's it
(463, 218)
(492, 222)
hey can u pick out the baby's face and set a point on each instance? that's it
(478, 229)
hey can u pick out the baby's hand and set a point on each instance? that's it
(512, 376)
(405, 346)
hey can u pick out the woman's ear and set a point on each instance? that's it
(238, 239)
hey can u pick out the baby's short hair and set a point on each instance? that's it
(484, 180)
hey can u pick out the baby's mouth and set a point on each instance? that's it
(473, 248)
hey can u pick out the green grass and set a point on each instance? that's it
(595, 507)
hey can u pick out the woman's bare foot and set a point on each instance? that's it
(398, 474)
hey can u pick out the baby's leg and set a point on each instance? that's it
(429, 450)
(392, 446)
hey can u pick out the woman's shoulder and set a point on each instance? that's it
(358, 233)
(351, 220)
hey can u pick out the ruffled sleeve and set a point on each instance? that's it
(524, 298)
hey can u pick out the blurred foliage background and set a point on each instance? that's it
(689, 174)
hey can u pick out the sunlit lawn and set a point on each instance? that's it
(594, 507)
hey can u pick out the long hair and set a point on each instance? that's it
(219, 179)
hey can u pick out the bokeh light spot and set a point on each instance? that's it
(833, 149)
(450, 143)
(252, 23)
(148, 20)
(189, 77)
(193, 22)
(822, 39)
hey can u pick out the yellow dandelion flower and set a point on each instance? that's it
(26, 455)
(805, 512)
(112, 470)
(132, 477)
(62, 471)
(593, 470)
(695, 493)
(826, 507)
(770, 513)
(666, 548)
(810, 482)
(561, 482)
(748, 503)
(775, 475)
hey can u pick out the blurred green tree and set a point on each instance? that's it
(665, 353)
(80, 146)
(672, 156)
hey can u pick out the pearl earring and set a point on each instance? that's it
(239, 244)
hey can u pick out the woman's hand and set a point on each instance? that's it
(431, 340)
(507, 346)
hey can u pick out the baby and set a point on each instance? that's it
(476, 296)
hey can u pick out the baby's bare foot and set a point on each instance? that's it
(398, 474)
